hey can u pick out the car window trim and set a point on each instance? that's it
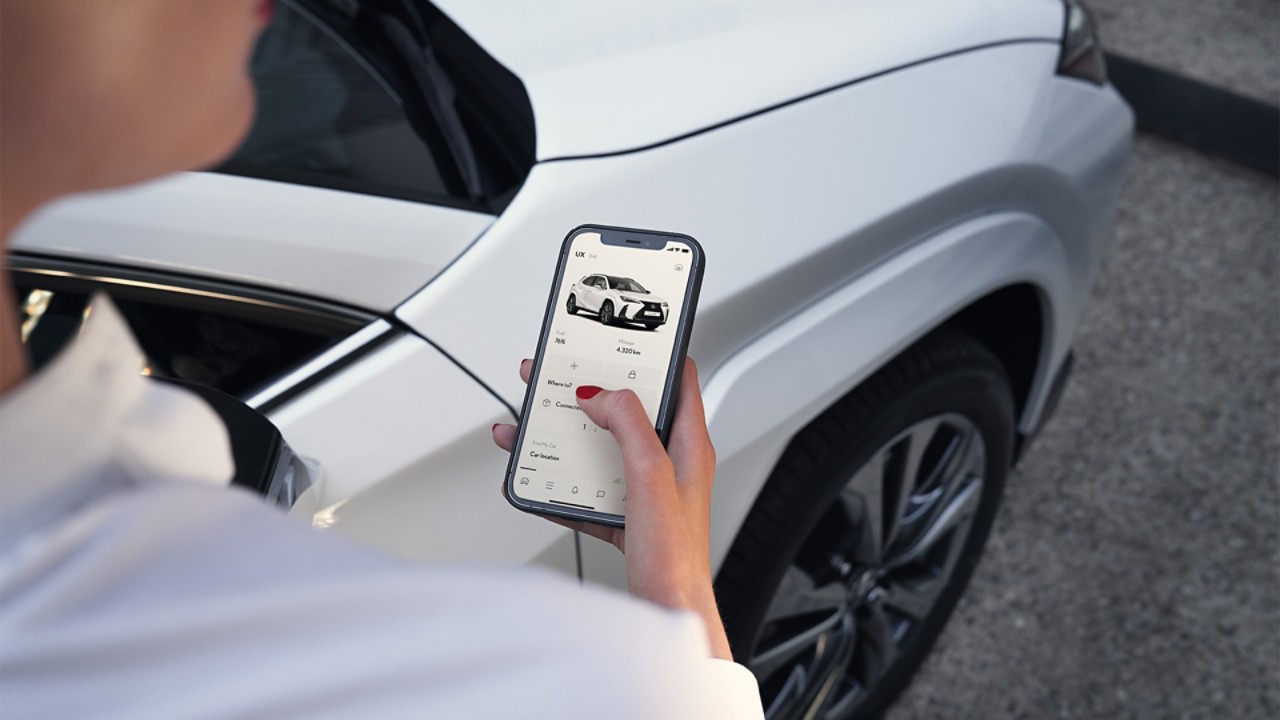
(247, 301)
(319, 368)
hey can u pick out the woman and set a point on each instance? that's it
(134, 584)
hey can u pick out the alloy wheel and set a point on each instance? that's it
(870, 571)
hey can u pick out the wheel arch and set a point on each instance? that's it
(1011, 322)
(1003, 278)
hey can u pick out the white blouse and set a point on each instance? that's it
(135, 584)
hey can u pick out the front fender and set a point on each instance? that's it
(760, 397)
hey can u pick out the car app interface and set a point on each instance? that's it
(614, 325)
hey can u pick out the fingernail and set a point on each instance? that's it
(526, 360)
(495, 427)
(586, 392)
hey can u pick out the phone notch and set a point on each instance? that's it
(635, 240)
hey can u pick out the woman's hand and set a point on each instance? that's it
(667, 541)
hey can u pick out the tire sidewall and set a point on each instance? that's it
(976, 389)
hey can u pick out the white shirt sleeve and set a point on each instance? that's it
(187, 601)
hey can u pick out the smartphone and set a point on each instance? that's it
(619, 316)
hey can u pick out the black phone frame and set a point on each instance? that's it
(622, 236)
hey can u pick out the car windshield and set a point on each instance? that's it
(626, 284)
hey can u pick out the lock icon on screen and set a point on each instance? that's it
(631, 375)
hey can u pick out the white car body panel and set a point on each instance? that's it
(408, 464)
(999, 143)
(606, 77)
(364, 251)
(588, 297)
(829, 341)
(796, 370)
(857, 206)
(838, 229)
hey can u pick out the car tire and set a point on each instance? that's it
(606, 312)
(867, 532)
(571, 305)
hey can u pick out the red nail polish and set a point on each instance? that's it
(586, 392)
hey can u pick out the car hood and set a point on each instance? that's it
(611, 77)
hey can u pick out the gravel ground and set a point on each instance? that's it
(1234, 44)
(1134, 571)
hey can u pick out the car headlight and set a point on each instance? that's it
(628, 298)
(1081, 50)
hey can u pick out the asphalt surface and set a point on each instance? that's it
(1134, 571)
(1234, 44)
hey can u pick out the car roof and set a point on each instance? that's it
(611, 77)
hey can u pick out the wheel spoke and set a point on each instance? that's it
(807, 688)
(965, 458)
(921, 435)
(816, 638)
(790, 695)
(959, 507)
(833, 665)
(903, 474)
(796, 596)
(962, 460)
(952, 458)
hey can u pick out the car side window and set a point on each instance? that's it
(325, 118)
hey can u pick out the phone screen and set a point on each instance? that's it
(614, 323)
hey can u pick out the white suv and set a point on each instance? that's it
(616, 299)
(902, 202)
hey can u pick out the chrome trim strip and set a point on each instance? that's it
(273, 395)
(158, 281)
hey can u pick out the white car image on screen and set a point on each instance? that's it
(616, 299)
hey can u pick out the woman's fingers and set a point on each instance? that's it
(690, 445)
(503, 433)
(600, 532)
(620, 412)
(504, 436)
